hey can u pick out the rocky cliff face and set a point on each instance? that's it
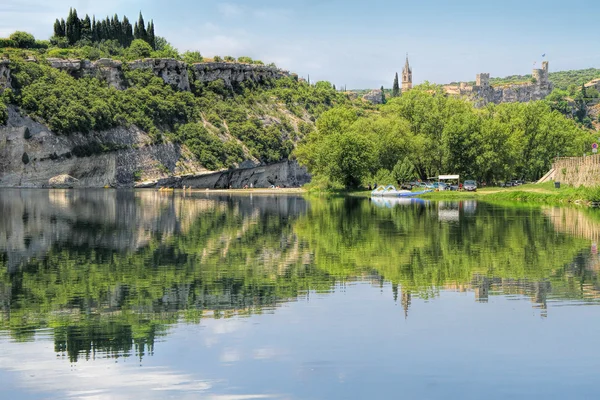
(173, 72)
(5, 80)
(229, 73)
(287, 174)
(374, 97)
(31, 155)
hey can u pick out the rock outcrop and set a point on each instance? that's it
(285, 174)
(5, 78)
(173, 72)
(231, 72)
(31, 155)
(374, 97)
(62, 181)
(105, 69)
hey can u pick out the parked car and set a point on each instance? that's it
(443, 186)
(470, 186)
(506, 184)
(407, 186)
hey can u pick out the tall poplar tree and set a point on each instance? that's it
(382, 95)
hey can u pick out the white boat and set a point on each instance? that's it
(391, 191)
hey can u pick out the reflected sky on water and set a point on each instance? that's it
(121, 294)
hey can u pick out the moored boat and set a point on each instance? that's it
(391, 191)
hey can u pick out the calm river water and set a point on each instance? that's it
(121, 294)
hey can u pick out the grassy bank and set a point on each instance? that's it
(543, 194)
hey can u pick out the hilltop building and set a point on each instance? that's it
(406, 76)
(483, 93)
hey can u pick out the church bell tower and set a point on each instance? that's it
(406, 76)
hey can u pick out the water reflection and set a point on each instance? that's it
(111, 271)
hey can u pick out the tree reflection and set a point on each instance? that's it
(110, 271)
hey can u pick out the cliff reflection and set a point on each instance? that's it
(110, 271)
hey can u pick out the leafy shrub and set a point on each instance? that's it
(137, 175)
(139, 49)
(192, 57)
(258, 62)
(244, 60)
(229, 59)
(7, 43)
(217, 59)
(23, 40)
(210, 151)
(3, 113)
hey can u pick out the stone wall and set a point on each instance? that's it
(173, 72)
(577, 171)
(483, 93)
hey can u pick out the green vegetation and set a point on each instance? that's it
(235, 115)
(396, 87)
(83, 31)
(438, 134)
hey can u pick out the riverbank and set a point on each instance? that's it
(544, 193)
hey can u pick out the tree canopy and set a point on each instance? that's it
(439, 134)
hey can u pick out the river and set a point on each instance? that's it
(141, 294)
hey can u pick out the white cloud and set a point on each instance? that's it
(38, 370)
(230, 356)
(230, 10)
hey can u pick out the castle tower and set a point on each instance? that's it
(406, 76)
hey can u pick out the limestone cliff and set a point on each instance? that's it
(31, 155)
(173, 72)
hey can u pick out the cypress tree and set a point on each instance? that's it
(151, 37)
(57, 29)
(382, 95)
(63, 27)
(334, 88)
(86, 28)
(127, 34)
(70, 27)
(136, 31)
(103, 30)
(94, 31)
(142, 34)
(396, 87)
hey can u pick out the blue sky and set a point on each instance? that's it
(360, 44)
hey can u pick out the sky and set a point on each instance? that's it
(357, 44)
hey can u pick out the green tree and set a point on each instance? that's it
(23, 40)
(382, 95)
(139, 49)
(396, 87)
(404, 171)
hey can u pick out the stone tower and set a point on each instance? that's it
(406, 76)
